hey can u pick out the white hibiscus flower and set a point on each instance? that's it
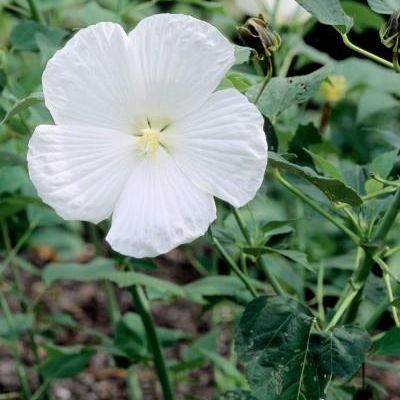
(141, 135)
(287, 11)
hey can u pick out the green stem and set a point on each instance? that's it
(388, 219)
(112, 303)
(352, 295)
(317, 208)
(17, 354)
(34, 11)
(11, 253)
(389, 289)
(233, 266)
(133, 385)
(260, 262)
(266, 80)
(159, 360)
(365, 53)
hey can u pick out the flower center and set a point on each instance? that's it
(149, 141)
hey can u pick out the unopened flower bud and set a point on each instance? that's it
(334, 88)
(390, 36)
(257, 34)
(390, 32)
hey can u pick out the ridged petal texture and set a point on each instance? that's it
(104, 89)
(80, 172)
(222, 147)
(177, 61)
(159, 209)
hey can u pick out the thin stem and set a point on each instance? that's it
(266, 80)
(370, 196)
(352, 295)
(389, 218)
(112, 303)
(17, 354)
(233, 266)
(317, 208)
(389, 289)
(260, 262)
(160, 365)
(34, 11)
(365, 53)
(320, 292)
(11, 253)
(133, 385)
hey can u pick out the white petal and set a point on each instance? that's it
(87, 82)
(80, 172)
(158, 210)
(221, 147)
(177, 61)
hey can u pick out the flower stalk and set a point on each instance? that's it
(365, 53)
(35, 13)
(260, 262)
(233, 266)
(316, 207)
(160, 364)
(350, 301)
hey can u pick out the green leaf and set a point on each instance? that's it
(293, 255)
(389, 344)
(242, 54)
(21, 324)
(11, 159)
(218, 286)
(93, 271)
(383, 164)
(384, 6)
(281, 93)
(334, 189)
(23, 35)
(340, 352)
(22, 105)
(286, 359)
(326, 166)
(271, 342)
(363, 17)
(236, 395)
(131, 336)
(328, 12)
(65, 365)
(14, 204)
(125, 279)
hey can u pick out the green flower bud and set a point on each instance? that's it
(257, 34)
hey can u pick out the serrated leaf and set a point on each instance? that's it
(22, 105)
(271, 343)
(340, 352)
(334, 189)
(285, 359)
(281, 93)
(384, 6)
(328, 12)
